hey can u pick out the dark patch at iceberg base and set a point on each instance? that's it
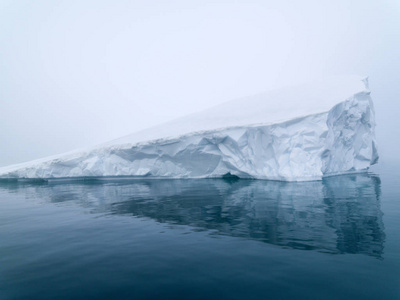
(339, 214)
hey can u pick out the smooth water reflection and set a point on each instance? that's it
(337, 215)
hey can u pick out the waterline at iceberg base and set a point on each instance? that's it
(294, 134)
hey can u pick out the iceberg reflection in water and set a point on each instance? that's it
(337, 215)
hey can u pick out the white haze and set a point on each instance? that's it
(78, 73)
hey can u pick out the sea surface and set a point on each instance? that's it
(202, 239)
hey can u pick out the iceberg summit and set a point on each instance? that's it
(298, 133)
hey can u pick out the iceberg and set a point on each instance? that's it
(298, 133)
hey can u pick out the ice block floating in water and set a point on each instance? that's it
(293, 134)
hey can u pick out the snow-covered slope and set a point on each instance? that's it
(298, 133)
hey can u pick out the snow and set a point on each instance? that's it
(298, 133)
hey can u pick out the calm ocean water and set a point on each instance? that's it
(202, 239)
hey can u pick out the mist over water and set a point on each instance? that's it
(76, 74)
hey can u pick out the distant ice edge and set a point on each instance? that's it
(339, 141)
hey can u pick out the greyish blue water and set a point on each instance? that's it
(202, 239)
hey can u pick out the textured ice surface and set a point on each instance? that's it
(298, 133)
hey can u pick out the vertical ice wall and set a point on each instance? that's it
(350, 143)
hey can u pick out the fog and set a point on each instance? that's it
(77, 73)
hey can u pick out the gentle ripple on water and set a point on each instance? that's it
(210, 238)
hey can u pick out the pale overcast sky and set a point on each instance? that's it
(78, 73)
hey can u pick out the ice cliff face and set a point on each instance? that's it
(295, 134)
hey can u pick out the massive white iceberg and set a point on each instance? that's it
(294, 134)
